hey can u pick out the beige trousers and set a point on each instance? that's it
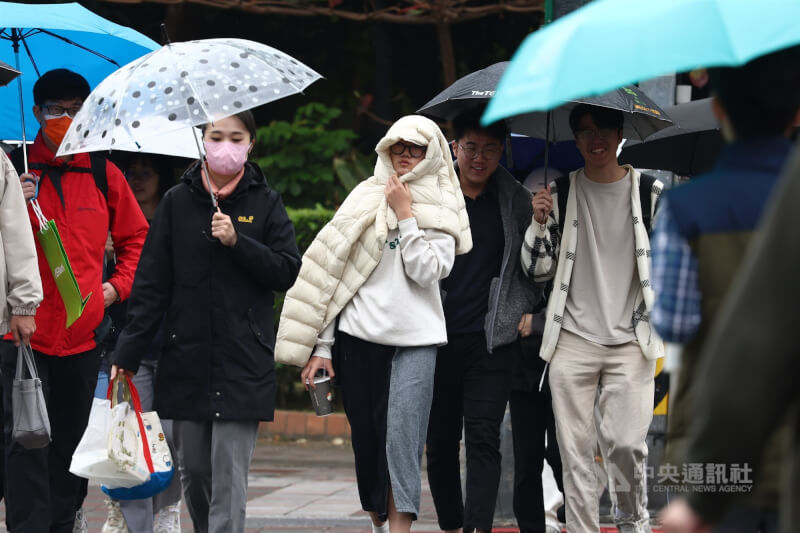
(620, 379)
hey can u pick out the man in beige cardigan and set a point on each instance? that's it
(597, 337)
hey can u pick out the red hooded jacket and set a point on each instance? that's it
(84, 219)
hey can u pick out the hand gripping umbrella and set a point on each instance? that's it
(36, 38)
(182, 85)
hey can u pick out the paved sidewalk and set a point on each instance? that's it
(296, 487)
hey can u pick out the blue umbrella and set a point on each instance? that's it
(610, 43)
(35, 38)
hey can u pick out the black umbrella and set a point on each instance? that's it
(642, 116)
(688, 148)
(473, 90)
(7, 73)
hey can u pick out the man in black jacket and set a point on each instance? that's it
(487, 296)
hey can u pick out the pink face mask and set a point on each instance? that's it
(225, 157)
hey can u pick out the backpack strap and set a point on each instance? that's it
(646, 182)
(562, 189)
(99, 173)
(97, 170)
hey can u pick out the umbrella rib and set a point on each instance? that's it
(73, 43)
(30, 56)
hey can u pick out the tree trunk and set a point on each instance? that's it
(446, 52)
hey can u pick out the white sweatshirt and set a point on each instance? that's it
(400, 303)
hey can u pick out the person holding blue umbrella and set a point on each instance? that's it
(86, 197)
(702, 234)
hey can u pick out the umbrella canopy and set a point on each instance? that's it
(472, 90)
(688, 148)
(7, 73)
(610, 43)
(642, 116)
(179, 86)
(43, 37)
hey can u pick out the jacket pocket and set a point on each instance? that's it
(258, 331)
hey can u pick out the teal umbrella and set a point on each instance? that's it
(610, 43)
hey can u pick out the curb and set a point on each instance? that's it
(305, 424)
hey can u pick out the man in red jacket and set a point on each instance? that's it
(87, 198)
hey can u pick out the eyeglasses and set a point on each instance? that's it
(55, 110)
(488, 152)
(591, 133)
(413, 150)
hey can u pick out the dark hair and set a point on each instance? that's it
(470, 121)
(160, 164)
(761, 97)
(603, 117)
(246, 117)
(60, 84)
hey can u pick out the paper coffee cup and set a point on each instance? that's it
(322, 395)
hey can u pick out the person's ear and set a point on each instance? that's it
(37, 112)
(454, 148)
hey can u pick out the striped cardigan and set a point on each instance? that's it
(550, 251)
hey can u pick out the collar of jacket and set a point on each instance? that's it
(253, 178)
(40, 153)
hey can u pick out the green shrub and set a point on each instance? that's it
(298, 156)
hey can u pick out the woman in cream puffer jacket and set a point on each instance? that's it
(376, 267)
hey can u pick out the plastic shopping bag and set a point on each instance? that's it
(110, 451)
(162, 465)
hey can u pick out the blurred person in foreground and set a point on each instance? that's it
(214, 274)
(702, 233)
(394, 239)
(746, 380)
(87, 197)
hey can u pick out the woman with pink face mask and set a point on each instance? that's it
(213, 273)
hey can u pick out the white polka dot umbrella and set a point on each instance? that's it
(179, 86)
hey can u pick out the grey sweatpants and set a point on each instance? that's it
(410, 396)
(214, 458)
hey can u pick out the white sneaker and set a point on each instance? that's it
(81, 524)
(115, 522)
(168, 519)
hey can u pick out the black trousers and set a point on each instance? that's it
(41, 494)
(470, 392)
(364, 371)
(532, 418)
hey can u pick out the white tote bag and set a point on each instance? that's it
(110, 451)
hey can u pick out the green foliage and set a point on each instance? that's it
(353, 168)
(307, 223)
(298, 156)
